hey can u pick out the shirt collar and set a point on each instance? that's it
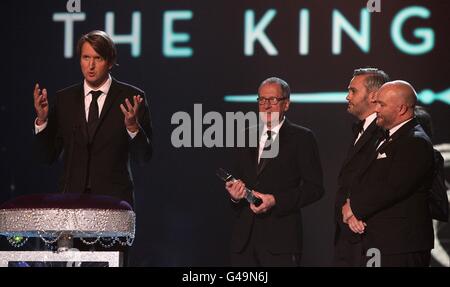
(397, 127)
(274, 129)
(369, 120)
(104, 88)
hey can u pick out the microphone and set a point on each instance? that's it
(249, 196)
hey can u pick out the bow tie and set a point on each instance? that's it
(358, 127)
(384, 134)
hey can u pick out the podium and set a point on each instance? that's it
(58, 219)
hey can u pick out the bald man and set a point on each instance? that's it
(388, 203)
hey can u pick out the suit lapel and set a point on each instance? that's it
(81, 115)
(259, 165)
(368, 133)
(398, 134)
(112, 97)
(263, 162)
(284, 130)
(402, 131)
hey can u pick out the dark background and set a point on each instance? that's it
(182, 208)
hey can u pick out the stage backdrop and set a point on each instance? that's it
(215, 53)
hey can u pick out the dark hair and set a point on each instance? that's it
(102, 44)
(375, 77)
(283, 85)
(424, 119)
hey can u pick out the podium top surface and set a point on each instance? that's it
(66, 200)
(49, 215)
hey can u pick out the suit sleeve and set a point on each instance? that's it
(411, 163)
(48, 144)
(238, 173)
(141, 147)
(310, 188)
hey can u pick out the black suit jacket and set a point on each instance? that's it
(107, 157)
(294, 178)
(357, 156)
(391, 194)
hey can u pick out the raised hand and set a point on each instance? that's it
(40, 104)
(131, 113)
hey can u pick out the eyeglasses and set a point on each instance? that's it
(272, 101)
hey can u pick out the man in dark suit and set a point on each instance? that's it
(388, 204)
(99, 123)
(270, 234)
(361, 104)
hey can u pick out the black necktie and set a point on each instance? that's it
(266, 149)
(358, 127)
(268, 141)
(93, 113)
(93, 108)
(91, 124)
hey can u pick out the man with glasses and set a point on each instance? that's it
(286, 180)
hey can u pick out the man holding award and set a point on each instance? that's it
(284, 173)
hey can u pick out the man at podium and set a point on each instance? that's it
(99, 123)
